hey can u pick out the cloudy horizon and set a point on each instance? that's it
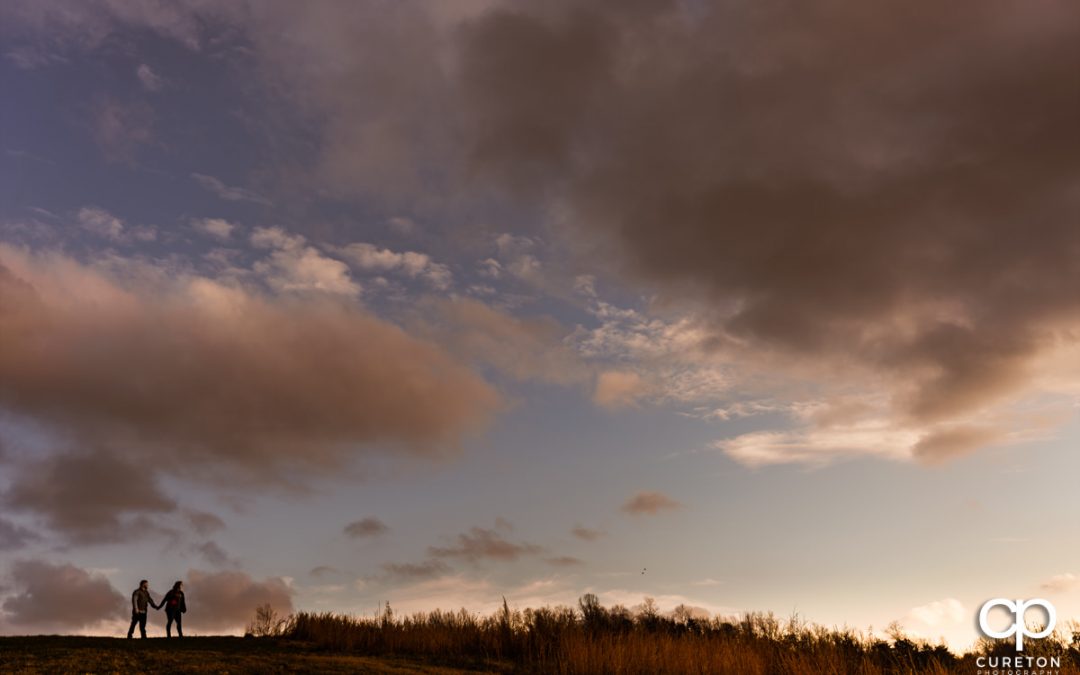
(740, 306)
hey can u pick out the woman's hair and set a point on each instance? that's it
(176, 586)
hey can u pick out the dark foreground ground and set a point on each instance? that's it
(65, 654)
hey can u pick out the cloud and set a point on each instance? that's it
(618, 389)
(829, 438)
(1061, 583)
(649, 503)
(216, 227)
(403, 225)
(149, 80)
(107, 226)
(379, 139)
(410, 263)
(89, 497)
(87, 26)
(322, 571)
(60, 597)
(524, 348)
(226, 601)
(14, 536)
(564, 561)
(670, 355)
(366, 527)
(947, 444)
(28, 57)
(891, 229)
(407, 572)
(122, 129)
(483, 544)
(212, 552)
(819, 446)
(587, 534)
(101, 222)
(183, 374)
(203, 522)
(822, 230)
(938, 612)
(229, 193)
(294, 266)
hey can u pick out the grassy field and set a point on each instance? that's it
(586, 640)
(67, 654)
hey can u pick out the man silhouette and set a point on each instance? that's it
(140, 598)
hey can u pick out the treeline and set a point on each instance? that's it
(595, 639)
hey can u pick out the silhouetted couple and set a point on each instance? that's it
(173, 602)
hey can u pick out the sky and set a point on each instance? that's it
(761, 306)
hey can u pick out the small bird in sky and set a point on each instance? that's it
(643, 569)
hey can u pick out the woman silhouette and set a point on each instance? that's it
(174, 607)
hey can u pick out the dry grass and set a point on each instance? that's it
(592, 639)
(598, 640)
(236, 656)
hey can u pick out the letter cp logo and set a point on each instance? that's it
(1019, 628)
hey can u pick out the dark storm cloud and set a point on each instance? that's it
(59, 597)
(365, 527)
(892, 184)
(885, 186)
(480, 544)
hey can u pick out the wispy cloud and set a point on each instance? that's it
(365, 527)
(149, 80)
(216, 227)
(107, 226)
(564, 561)
(650, 504)
(411, 572)
(484, 544)
(227, 192)
(587, 533)
(1061, 583)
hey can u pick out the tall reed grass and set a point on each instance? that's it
(594, 639)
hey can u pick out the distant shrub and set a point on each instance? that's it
(267, 623)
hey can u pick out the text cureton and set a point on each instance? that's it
(1018, 661)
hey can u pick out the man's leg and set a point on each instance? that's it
(179, 626)
(168, 623)
(142, 624)
(134, 620)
